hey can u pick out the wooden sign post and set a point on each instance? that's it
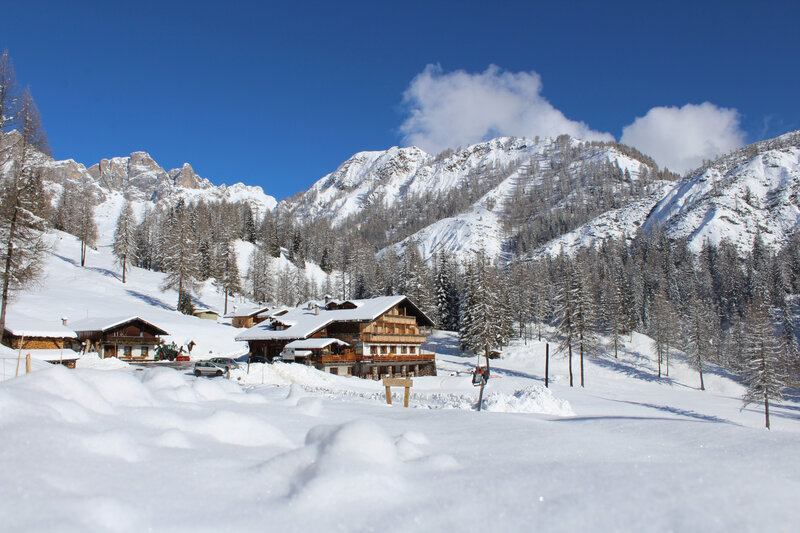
(397, 382)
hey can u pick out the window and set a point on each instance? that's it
(373, 350)
(126, 351)
(335, 370)
(413, 349)
(384, 349)
(403, 349)
(145, 351)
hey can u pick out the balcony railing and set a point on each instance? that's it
(380, 358)
(122, 339)
(393, 337)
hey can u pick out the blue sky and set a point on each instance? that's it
(279, 94)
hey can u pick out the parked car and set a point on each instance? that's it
(224, 361)
(257, 359)
(209, 368)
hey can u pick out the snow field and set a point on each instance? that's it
(123, 449)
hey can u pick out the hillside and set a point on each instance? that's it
(488, 196)
(752, 190)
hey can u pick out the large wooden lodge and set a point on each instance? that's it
(373, 338)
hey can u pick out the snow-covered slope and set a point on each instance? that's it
(619, 224)
(483, 228)
(70, 291)
(387, 176)
(755, 189)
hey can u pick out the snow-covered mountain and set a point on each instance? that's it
(754, 189)
(491, 173)
(751, 190)
(141, 179)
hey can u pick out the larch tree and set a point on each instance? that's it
(23, 204)
(86, 227)
(698, 336)
(124, 247)
(764, 358)
(8, 91)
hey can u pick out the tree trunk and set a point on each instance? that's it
(702, 385)
(226, 301)
(570, 365)
(659, 359)
(616, 340)
(7, 273)
(766, 409)
(667, 360)
(547, 365)
(83, 253)
(581, 350)
(124, 259)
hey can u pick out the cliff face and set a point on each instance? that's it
(140, 178)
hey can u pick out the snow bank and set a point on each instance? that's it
(355, 463)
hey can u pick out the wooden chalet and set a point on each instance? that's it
(54, 343)
(249, 316)
(366, 338)
(122, 337)
(206, 313)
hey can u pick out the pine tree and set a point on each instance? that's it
(763, 354)
(584, 317)
(180, 256)
(565, 304)
(446, 294)
(124, 247)
(227, 277)
(482, 328)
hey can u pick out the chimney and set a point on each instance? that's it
(327, 299)
(63, 321)
(316, 309)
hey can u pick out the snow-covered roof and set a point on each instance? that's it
(315, 344)
(106, 323)
(247, 311)
(198, 310)
(19, 326)
(302, 322)
(52, 355)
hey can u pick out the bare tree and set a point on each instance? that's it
(8, 91)
(23, 204)
(124, 247)
(86, 226)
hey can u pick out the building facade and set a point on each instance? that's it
(377, 337)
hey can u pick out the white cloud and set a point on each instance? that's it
(457, 108)
(680, 138)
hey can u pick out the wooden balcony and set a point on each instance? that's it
(393, 337)
(341, 358)
(121, 339)
(351, 357)
(398, 319)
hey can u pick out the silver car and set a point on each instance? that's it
(209, 368)
(224, 362)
